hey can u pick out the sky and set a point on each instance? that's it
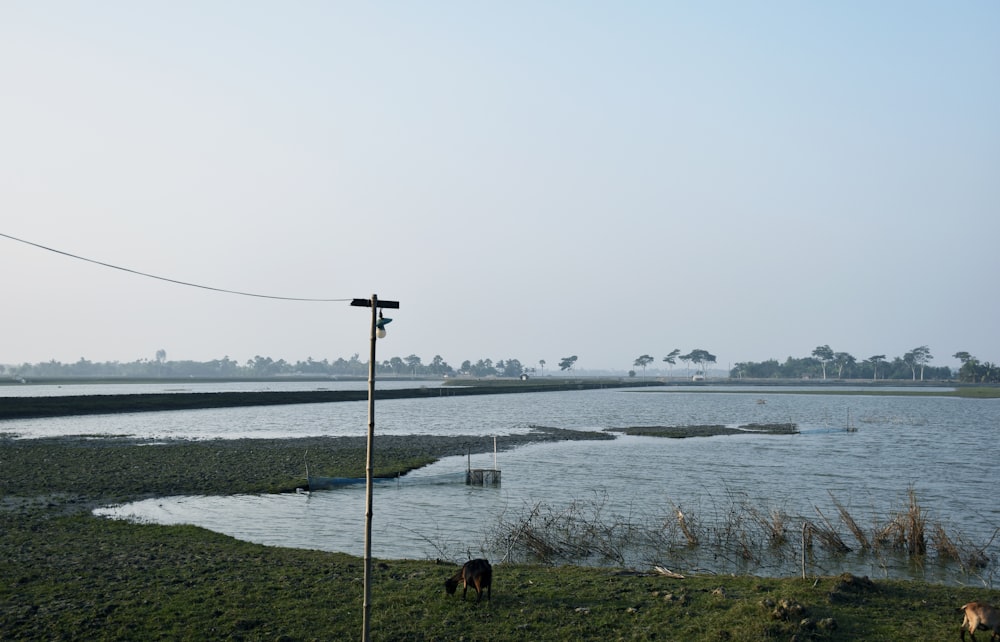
(530, 180)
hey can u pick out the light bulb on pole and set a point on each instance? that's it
(380, 325)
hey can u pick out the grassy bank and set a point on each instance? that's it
(78, 577)
(123, 469)
(67, 575)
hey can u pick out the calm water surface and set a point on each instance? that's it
(931, 445)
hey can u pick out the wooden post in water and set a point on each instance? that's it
(483, 476)
(805, 527)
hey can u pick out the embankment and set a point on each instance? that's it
(69, 405)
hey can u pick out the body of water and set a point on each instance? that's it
(627, 491)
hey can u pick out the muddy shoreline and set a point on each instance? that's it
(81, 471)
(71, 405)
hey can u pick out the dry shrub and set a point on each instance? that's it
(945, 547)
(580, 531)
(891, 535)
(738, 535)
(687, 529)
(974, 558)
(828, 537)
(915, 523)
(772, 524)
(852, 526)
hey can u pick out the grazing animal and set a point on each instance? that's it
(980, 616)
(478, 573)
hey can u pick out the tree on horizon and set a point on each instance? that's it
(642, 362)
(825, 355)
(567, 363)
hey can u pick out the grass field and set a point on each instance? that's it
(66, 575)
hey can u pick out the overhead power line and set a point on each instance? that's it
(163, 278)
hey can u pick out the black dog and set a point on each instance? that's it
(478, 573)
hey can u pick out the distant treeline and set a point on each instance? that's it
(809, 368)
(260, 367)
(825, 363)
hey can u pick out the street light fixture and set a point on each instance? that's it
(377, 332)
(380, 325)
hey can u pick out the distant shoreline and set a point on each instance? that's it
(73, 405)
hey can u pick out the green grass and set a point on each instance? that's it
(80, 577)
(978, 393)
(120, 469)
(66, 575)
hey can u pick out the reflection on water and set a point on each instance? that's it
(919, 442)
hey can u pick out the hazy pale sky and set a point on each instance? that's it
(530, 180)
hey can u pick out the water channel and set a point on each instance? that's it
(626, 491)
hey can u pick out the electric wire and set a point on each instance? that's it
(168, 280)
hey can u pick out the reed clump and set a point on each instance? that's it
(915, 526)
(848, 520)
(585, 531)
(827, 534)
(742, 536)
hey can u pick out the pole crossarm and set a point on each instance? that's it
(367, 303)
